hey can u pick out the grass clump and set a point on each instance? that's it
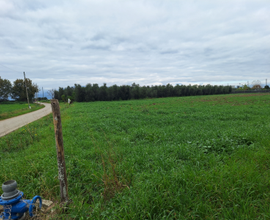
(201, 157)
(12, 109)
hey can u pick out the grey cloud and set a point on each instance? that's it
(147, 42)
(96, 47)
(98, 37)
(169, 52)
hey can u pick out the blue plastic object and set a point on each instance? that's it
(15, 208)
(32, 205)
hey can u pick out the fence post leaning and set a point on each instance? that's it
(62, 175)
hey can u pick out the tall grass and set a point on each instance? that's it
(174, 158)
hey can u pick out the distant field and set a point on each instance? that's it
(10, 109)
(202, 157)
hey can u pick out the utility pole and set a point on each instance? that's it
(265, 82)
(26, 91)
(42, 92)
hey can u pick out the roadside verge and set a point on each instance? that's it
(12, 124)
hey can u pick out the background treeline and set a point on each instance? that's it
(17, 90)
(94, 92)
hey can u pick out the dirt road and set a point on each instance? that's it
(12, 124)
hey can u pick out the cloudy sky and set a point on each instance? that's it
(149, 42)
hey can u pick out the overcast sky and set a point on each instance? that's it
(149, 42)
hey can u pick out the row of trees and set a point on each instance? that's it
(17, 90)
(254, 87)
(94, 92)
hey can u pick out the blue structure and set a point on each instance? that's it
(14, 206)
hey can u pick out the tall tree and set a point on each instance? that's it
(135, 91)
(114, 92)
(19, 92)
(169, 90)
(89, 93)
(143, 91)
(96, 91)
(68, 91)
(5, 88)
(79, 93)
(103, 92)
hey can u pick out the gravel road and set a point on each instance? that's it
(12, 124)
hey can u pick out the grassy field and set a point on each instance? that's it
(12, 109)
(202, 157)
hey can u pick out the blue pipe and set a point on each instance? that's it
(32, 205)
(16, 207)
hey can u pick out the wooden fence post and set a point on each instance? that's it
(62, 175)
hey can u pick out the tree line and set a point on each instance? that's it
(17, 90)
(94, 92)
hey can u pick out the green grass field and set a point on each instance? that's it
(202, 157)
(12, 109)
